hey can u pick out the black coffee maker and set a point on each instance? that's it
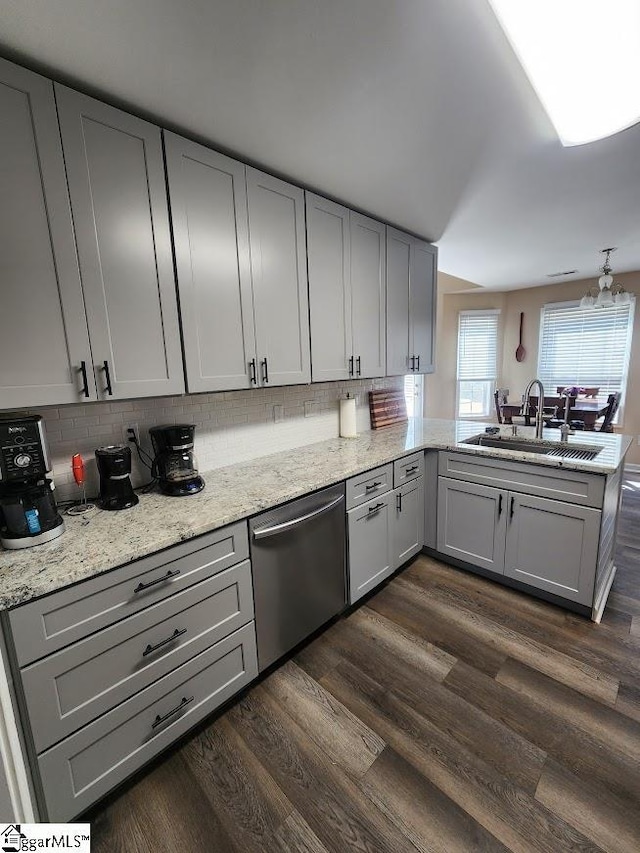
(114, 467)
(28, 512)
(174, 464)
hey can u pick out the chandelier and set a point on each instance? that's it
(609, 293)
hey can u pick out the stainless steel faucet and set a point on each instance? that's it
(565, 429)
(539, 421)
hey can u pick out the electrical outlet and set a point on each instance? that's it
(278, 414)
(311, 408)
(132, 434)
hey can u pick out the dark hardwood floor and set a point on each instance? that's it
(447, 714)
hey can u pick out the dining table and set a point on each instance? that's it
(582, 409)
(587, 410)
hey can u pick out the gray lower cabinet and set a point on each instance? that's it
(472, 523)
(85, 766)
(370, 558)
(68, 689)
(411, 304)
(208, 197)
(116, 179)
(407, 522)
(120, 665)
(385, 526)
(278, 258)
(553, 546)
(39, 282)
(347, 288)
(548, 544)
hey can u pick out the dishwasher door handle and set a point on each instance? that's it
(273, 530)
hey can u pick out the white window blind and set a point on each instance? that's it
(477, 344)
(585, 347)
(477, 361)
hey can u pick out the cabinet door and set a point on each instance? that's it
(328, 252)
(472, 523)
(369, 545)
(407, 536)
(39, 279)
(119, 203)
(398, 278)
(279, 275)
(368, 291)
(208, 198)
(553, 546)
(422, 313)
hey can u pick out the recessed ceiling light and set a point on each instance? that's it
(558, 274)
(582, 58)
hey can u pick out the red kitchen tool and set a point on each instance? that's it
(77, 466)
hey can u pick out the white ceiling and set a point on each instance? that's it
(414, 111)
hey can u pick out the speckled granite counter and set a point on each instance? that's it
(111, 539)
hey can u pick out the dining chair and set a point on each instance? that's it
(613, 404)
(500, 396)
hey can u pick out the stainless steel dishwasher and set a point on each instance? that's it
(298, 557)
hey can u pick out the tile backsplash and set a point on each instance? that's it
(231, 426)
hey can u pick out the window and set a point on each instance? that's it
(413, 394)
(477, 360)
(585, 347)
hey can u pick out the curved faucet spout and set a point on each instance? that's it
(539, 421)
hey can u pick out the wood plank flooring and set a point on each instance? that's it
(446, 715)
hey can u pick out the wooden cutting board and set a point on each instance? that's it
(387, 408)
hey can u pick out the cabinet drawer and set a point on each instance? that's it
(366, 486)
(82, 768)
(408, 468)
(577, 487)
(47, 624)
(74, 686)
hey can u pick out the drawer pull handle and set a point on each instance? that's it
(177, 633)
(513, 500)
(411, 470)
(372, 486)
(499, 506)
(350, 365)
(142, 586)
(399, 502)
(160, 720)
(252, 368)
(375, 508)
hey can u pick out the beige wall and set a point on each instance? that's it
(440, 388)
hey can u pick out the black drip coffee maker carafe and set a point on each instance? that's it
(114, 467)
(28, 512)
(174, 464)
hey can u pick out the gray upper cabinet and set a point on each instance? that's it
(329, 258)
(411, 304)
(368, 257)
(278, 255)
(208, 197)
(117, 186)
(39, 279)
(346, 253)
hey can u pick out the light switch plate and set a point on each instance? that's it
(278, 413)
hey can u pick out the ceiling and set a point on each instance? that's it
(416, 112)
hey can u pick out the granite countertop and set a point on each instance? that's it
(111, 539)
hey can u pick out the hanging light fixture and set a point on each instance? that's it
(610, 292)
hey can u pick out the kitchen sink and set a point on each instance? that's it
(543, 447)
